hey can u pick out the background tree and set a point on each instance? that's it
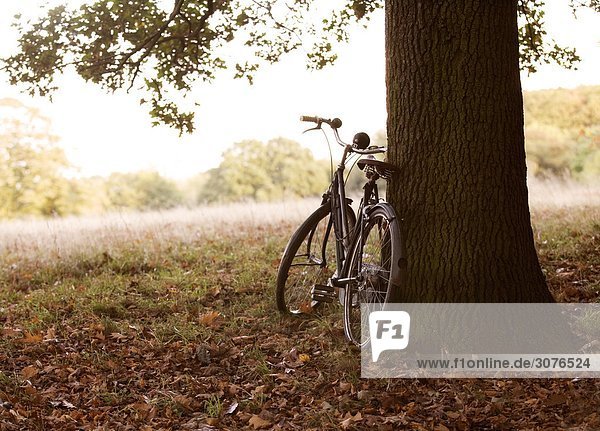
(31, 165)
(562, 132)
(569, 109)
(455, 122)
(252, 170)
(142, 191)
(137, 44)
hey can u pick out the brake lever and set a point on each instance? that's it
(317, 127)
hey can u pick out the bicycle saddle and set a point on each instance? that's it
(383, 169)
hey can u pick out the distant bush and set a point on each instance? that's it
(565, 108)
(586, 161)
(253, 170)
(142, 191)
(562, 132)
(549, 150)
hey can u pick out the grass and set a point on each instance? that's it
(568, 244)
(115, 238)
(213, 406)
(167, 320)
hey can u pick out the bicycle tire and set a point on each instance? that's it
(295, 297)
(381, 259)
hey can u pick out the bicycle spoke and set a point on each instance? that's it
(371, 266)
(307, 269)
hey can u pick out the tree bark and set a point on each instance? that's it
(455, 130)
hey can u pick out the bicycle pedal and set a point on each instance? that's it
(323, 293)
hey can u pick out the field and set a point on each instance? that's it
(166, 321)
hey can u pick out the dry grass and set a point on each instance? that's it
(75, 236)
(43, 240)
(562, 193)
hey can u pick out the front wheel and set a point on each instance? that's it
(376, 268)
(308, 259)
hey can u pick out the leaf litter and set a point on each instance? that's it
(220, 357)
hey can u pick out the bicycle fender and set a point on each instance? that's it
(385, 207)
(398, 269)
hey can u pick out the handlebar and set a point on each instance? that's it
(370, 150)
(336, 123)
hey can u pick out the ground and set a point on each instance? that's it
(168, 322)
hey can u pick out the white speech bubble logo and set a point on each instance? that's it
(389, 330)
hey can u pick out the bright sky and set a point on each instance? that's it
(102, 133)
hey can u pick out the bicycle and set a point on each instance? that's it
(364, 262)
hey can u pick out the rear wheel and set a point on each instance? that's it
(308, 259)
(376, 265)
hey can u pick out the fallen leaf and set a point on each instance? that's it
(259, 390)
(555, 399)
(210, 318)
(118, 336)
(9, 332)
(62, 403)
(99, 336)
(30, 390)
(30, 338)
(29, 372)
(186, 402)
(50, 334)
(257, 422)
(141, 407)
(306, 307)
(243, 339)
(364, 395)
(326, 406)
(350, 420)
(303, 357)
(345, 386)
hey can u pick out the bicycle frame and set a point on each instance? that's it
(368, 246)
(336, 197)
(339, 217)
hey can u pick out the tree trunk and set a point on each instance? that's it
(455, 129)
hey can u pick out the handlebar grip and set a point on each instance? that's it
(309, 119)
(336, 123)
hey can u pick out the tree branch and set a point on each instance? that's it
(156, 37)
(151, 40)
